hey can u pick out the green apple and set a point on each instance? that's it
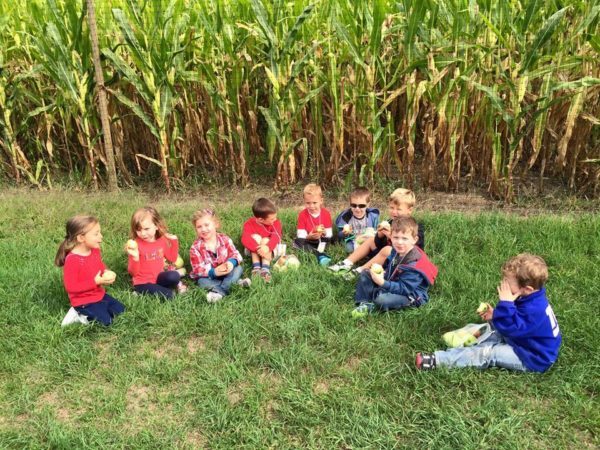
(109, 275)
(292, 262)
(178, 262)
(376, 268)
(385, 224)
(483, 307)
(132, 244)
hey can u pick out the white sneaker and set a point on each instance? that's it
(73, 316)
(213, 297)
(245, 282)
(341, 267)
(181, 288)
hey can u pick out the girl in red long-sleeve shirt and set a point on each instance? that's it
(153, 244)
(85, 274)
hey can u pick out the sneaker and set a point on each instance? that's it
(362, 310)
(265, 274)
(213, 297)
(181, 288)
(324, 261)
(72, 317)
(425, 361)
(245, 282)
(340, 267)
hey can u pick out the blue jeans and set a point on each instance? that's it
(221, 285)
(103, 311)
(165, 283)
(491, 352)
(369, 292)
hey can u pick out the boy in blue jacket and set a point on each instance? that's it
(353, 223)
(525, 335)
(403, 280)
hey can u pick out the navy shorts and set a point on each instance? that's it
(103, 311)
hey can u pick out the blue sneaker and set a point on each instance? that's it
(324, 261)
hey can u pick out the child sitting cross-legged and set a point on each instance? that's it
(403, 280)
(216, 263)
(524, 332)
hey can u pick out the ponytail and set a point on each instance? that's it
(76, 226)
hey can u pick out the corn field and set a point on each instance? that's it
(439, 94)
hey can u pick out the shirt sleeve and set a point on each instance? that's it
(200, 267)
(247, 240)
(302, 228)
(232, 252)
(74, 279)
(275, 237)
(406, 285)
(171, 249)
(514, 322)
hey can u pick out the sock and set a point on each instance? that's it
(266, 267)
(256, 265)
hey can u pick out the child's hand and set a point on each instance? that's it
(100, 281)
(224, 268)
(314, 235)
(487, 314)
(505, 293)
(134, 253)
(383, 232)
(347, 230)
(377, 278)
(170, 236)
(263, 251)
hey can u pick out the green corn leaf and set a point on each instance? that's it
(148, 158)
(263, 20)
(543, 36)
(292, 36)
(137, 110)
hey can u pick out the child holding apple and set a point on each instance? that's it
(315, 228)
(84, 273)
(354, 223)
(149, 246)
(524, 332)
(216, 263)
(403, 280)
(378, 247)
(261, 237)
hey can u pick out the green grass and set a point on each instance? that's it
(284, 365)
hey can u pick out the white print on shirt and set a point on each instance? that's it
(553, 321)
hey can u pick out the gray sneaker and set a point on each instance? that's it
(340, 267)
(245, 282)
(213, 297)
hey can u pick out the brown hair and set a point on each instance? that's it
(263, 208)
(139, 216)
(529, 270)
(405, 224)
(206, 212)
(402, 196)
(312, 189)
(76, 226)
(361, 192)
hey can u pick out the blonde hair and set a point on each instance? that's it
(138, 217)
(405, 224)
(402, 196)
(312, 189)
(206, 212)
(528, 270)
(76, 226)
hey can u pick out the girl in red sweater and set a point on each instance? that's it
(153, 244)
(85, 274)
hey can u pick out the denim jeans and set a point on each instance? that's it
(369, 292)
(221, 285)
(165, 283)
(491, 352)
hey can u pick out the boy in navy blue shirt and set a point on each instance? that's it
(525, 335)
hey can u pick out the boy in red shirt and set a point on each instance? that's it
(261, 235)
(315, 227)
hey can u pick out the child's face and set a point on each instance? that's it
(92, 238)
(359, 205)
(147, 230)
(313, 203)
(206, 228)
(399, 210)
(269, 220)
(403, 242)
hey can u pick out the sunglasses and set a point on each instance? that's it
(358, 205)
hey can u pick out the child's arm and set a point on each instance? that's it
(78, 280)
(171, 247)
(406, 284)
(200, 268)
(247, 239)
(508, 319)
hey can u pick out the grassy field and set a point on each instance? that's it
(284, 365)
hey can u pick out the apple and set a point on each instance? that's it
(132, 244)
(178, 262)
(346, 228)
(376, 268)
(292, 261)
(370, 231)
(385, 224)
(483, 307)
(109, 275)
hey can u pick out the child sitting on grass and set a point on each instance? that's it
(152, 244)
(354, 222)
(315, 228)
(525, 335)
(400, 204)
(261, 236)
(85, 274)
(404, 279)
(216, 263)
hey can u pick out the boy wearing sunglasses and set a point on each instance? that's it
(353, 224)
